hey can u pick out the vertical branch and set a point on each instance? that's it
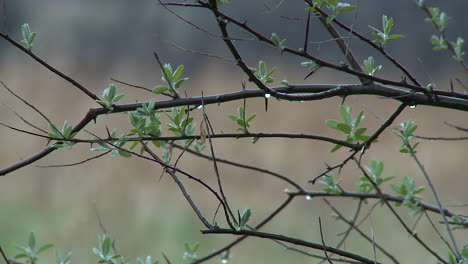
(323, 242)
(169, 83)
(352, 225)
(405, 226)
(181, 187)
(228, 211)
(436, 197)
(343, 47)
(306, 39)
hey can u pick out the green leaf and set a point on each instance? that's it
(345, 114)
(332, 123)
(396, 188)
(343, 128)
(21, 255)
(178, 72)
(32, 241)
(250, 118)
(44, 248)
(125, 153)
(360, 131)
(178, 83)
(106, 245)
(160, 89)
(233, 117)
(394, 37)
(337, 147)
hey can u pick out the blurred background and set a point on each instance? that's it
(93, 41)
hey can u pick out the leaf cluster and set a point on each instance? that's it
(406, 134)
(104, 251)
(349, 126)
(243, 218)
(61, 135)
(409, 192)
(374, 171)
(383, 37)
(28, 36)
(241, 120)
(191, 250)
(110, 97)
(31, 251)
(263, 74)
(335, 6)
(172, 78)
(116, 148)
(370, 68)
(276, 40)
(331, 184)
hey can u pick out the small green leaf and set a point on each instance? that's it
(28, 37)
(332, 123)
(32, 241)
(44, 248)
(343, 128)
(335, 148)
(178, 72)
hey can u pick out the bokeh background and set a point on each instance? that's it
(93, 41)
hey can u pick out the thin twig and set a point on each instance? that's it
(245, 166)
(50, 68)
(323, 242)
(171, 172)
(74, 164)
(164, 73)
(436, 197)
(24, 119)
(405, 226)
(31, 106)
(360, 232)
(198, 52)
(258, 226)
(4, 256)
(230, 218)
(437, 231)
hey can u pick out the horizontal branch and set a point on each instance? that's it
(313, 92)
(197, 137)
(291, 240)
(388, 197)
(319, 91)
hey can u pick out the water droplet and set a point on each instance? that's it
(412, 106)
(308, 197)
(224, 261)
(200, 107)
(301, 101)
(267, 96)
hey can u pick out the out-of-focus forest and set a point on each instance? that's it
(94, 41)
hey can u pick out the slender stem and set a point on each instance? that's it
(436, 197)
(291, 240)
(50, 68)
(398, 217)
(353, 226)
